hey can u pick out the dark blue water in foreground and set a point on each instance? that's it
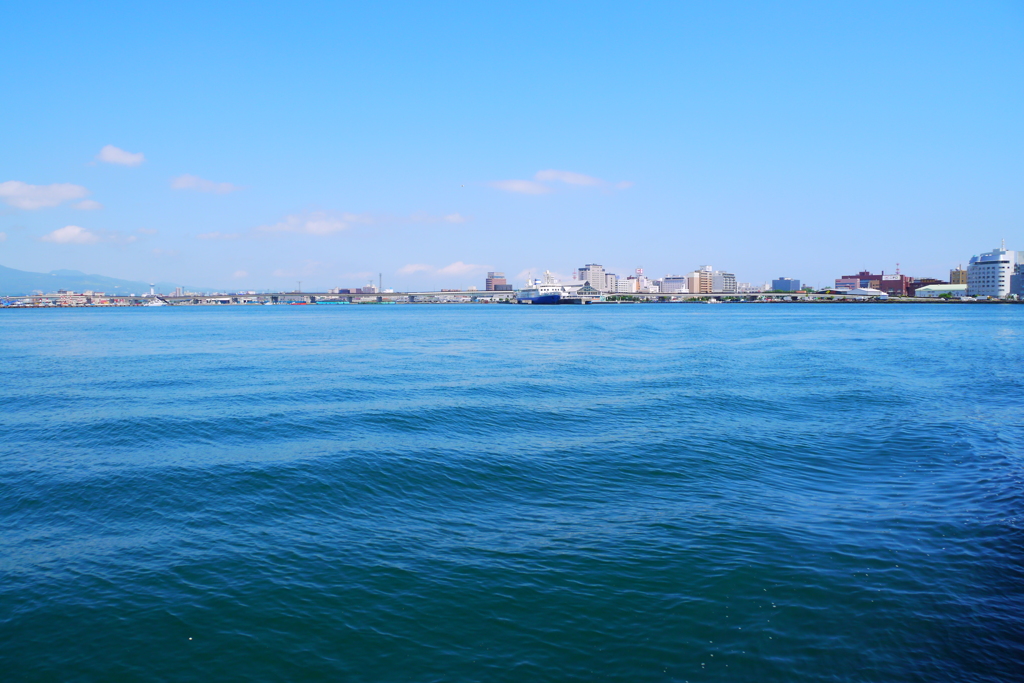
(500, 493)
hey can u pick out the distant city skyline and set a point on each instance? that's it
(433, 144)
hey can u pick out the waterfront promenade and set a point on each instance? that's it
(441, 296)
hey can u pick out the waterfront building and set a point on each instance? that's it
(675, 284)
(995, 273)
(958, 276)
(920, 282)
(595, 275)
(863, 279)
(935, 291)
(895, 285)
(496, 282)
(845, 284)
(702, 280)
(628, 285)
(723, 282)
(785, 284)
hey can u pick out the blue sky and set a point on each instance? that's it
(252, 145)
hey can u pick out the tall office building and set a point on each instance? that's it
(496, 283)
(595, 275)
(996, 273)
(675, 284)
(706, 279)
(785, 284)
(701, 281)
(723, 282)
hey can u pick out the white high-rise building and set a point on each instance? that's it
(595, 275)
(626, 286)
(996, 273)
(706, 279)
(724, 282)
(701, 280)
(675, 284)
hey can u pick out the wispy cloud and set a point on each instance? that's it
(239, 274)
(423, 217)
(71, 234)
(568, 177)
(415, 268)
(219, 235)
(543, 180)
(317, 223)
(457, 268)
(24, 196)
(88, 205)
(194, 182)
(520, 186)
(460, 268)
(115, 155)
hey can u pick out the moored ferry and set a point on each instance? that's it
(550, 291)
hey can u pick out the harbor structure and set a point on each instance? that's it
(936, 291)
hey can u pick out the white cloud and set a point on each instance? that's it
(240, 274)
(24, 196)
(88, 205)
(520, 186)
(415, 268)
(457, 268)
(193, 182)
(219, 236)
(460, 268)
(317, 223)
(116, 155)
(71, 234)
(423, 217)
(551, 175)
(568, 177)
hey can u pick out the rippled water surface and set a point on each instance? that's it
(501, 493)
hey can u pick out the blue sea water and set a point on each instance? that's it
(500, 493)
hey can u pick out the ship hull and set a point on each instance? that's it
(541, 299)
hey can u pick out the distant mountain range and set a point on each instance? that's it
(19, 282)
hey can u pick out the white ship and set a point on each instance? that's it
(548, 291)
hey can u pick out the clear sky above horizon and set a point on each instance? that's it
(252, 145)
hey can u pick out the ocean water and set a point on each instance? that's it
(501, 493)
